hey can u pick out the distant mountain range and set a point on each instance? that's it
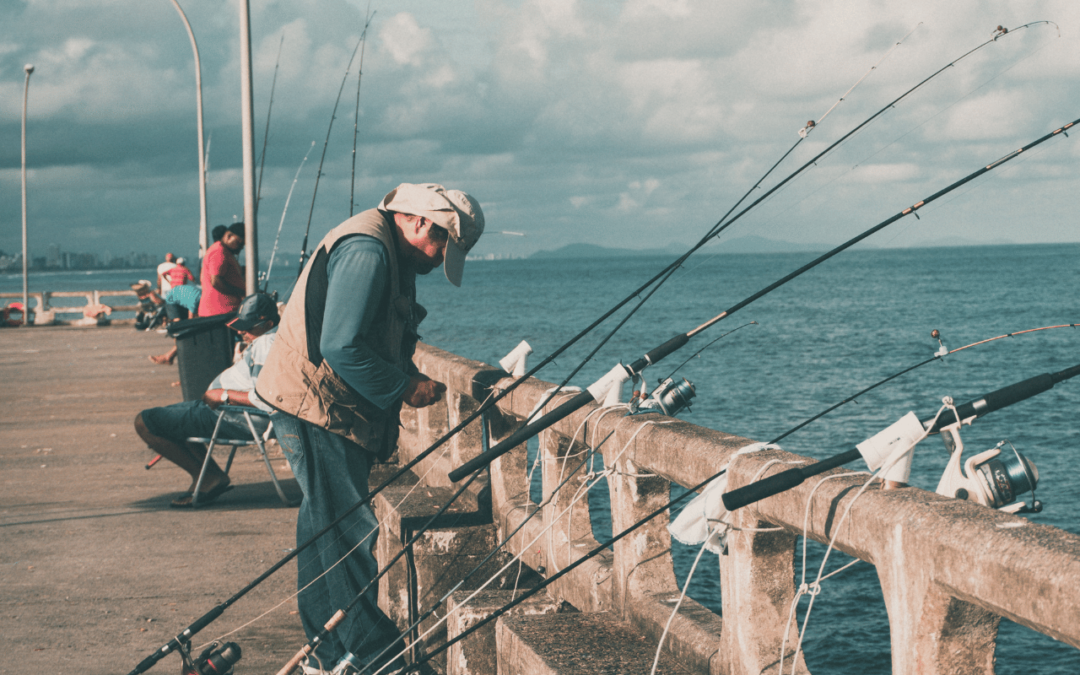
(747, 244)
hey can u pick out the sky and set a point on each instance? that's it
(631, 124)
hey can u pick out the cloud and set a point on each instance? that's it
(404, 40)
(626, 116)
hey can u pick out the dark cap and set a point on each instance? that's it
(254, 310)
(237, 229)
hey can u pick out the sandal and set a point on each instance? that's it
(185, 500)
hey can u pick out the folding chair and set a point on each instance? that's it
(259, 433)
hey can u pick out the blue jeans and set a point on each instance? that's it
(333, 475)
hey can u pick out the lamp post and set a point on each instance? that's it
(251, 239)
(203, 243)
(25, 280)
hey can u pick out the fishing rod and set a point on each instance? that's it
(620, 373)
(995, 400)
(723, 224)
(940, 354)
(185, 635)
(266, 133)
(326, 144)
(288, 198)
(990, 402)
(356, 119)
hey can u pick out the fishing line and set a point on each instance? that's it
(814, 589)
(816, 586)
(678, 603)
(698, 352)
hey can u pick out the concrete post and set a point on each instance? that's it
(931, 631)
(643, 559)
(757, 588)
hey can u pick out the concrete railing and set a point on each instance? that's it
(948, 569)
(46, 313)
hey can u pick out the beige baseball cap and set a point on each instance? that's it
(455, 211)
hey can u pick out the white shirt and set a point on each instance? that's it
(241, 376)
(164, 267)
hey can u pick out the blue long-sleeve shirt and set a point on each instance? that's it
(357, 274)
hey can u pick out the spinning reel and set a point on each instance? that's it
(995, 477)
(669, 398)
(217, 659)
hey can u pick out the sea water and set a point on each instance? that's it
(842, 326)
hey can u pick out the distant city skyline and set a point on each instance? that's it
(630, 124)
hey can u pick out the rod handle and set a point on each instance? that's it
(660, 352)
(766, 487)
(996, 400)
(521, 435)
(785, 480)
(294, 662)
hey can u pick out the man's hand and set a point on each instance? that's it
(212, 398)
(422, 391)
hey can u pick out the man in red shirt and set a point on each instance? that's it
(222, 277)
(180, 275)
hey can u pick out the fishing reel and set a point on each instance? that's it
(995, 478)
(669, 398)
(217, 659)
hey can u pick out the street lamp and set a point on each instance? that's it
(202, 157)
(25, 280)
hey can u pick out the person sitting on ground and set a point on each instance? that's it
(149, 304)
(180, 275)
(182, 302)
(167, 429)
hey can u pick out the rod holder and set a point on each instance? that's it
(515, 362)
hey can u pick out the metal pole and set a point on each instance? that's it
(251, 242)
(25, 279)
(203, 239)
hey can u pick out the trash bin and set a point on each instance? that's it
(204, 348)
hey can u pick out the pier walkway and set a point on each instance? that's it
(96, 569)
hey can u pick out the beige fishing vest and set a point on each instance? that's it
(296, 380)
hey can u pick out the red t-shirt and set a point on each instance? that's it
(219, 262)
(178, 276)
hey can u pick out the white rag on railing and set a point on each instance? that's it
(705, 516)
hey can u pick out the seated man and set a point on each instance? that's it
(167, 429)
